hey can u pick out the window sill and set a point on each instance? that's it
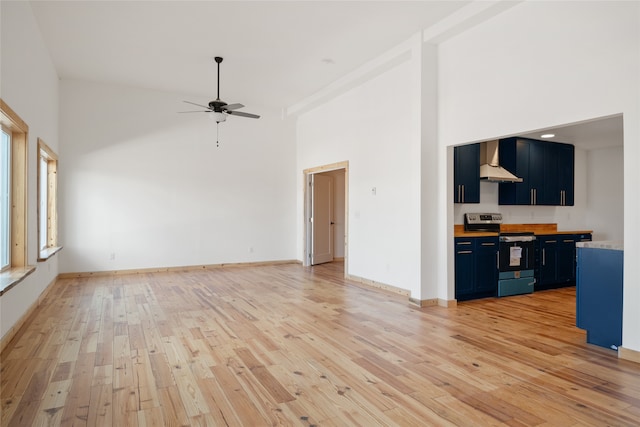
(13, 276)
(47, 253)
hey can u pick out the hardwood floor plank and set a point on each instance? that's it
(222, 412)
(160, 370)
(288, 345)
(453, 411)
(384, 376)
(243, 407)
(102, 374)
(144, 381)
(152, 417)
(24, 414)
(76, 406)
(15, 376)
(152, 337)
(53, 401)
(264, 377)
(75, 412)
(39, 381)
(173, 410)
(125, 405)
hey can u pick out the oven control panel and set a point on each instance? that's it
(483, 218)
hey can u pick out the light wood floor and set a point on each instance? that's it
(288, 345)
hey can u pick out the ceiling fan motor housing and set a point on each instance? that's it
(217, 105)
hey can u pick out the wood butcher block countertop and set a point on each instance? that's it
(537, 229)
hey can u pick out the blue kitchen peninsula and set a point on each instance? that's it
(599, 291)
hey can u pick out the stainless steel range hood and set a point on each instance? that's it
(490, 169)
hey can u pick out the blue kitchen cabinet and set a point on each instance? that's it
(549, 195)
(476, 269)
(548, 261)
(466, 173)
(464, 267)
(599, 293)
(546, 168)
(534, 182)
(526, 160)
(566, 171)
(517, 162)
(486, 265)
(566, 259)
(559, 175)
(556, 260)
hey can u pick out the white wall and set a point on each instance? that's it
(29, 85)
(605, 200)
(382, 147)
(142, 186)
(541, 64)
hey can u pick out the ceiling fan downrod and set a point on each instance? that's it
(218, 60)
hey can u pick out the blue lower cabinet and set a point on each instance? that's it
(556, 260)
(465, 268)
(476, 269)
(599, 295)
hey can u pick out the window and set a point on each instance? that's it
(13, 183)
(5, 200)
(42, 201)
(47, 200)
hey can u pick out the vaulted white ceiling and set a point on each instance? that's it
(275, 53)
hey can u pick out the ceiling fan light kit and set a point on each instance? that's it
(218, 117)
(219, 109)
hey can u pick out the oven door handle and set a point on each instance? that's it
(498, 260)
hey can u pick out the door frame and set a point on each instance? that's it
(307, 210)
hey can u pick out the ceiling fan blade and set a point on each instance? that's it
(241, 114)
(199, 111)
(232, 107)
(193, 103)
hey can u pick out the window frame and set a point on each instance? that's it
(19, 131)
(7, 266)
(48, 207)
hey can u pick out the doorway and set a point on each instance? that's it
(325, 214)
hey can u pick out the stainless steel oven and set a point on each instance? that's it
(516, 257)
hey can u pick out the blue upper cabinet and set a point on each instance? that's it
(546, 169)
(566, 168)
(466, 174)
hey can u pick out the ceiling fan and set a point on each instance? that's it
(219, 108)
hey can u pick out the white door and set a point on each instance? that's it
(321, 219)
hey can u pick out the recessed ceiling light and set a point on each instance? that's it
(548, 135)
